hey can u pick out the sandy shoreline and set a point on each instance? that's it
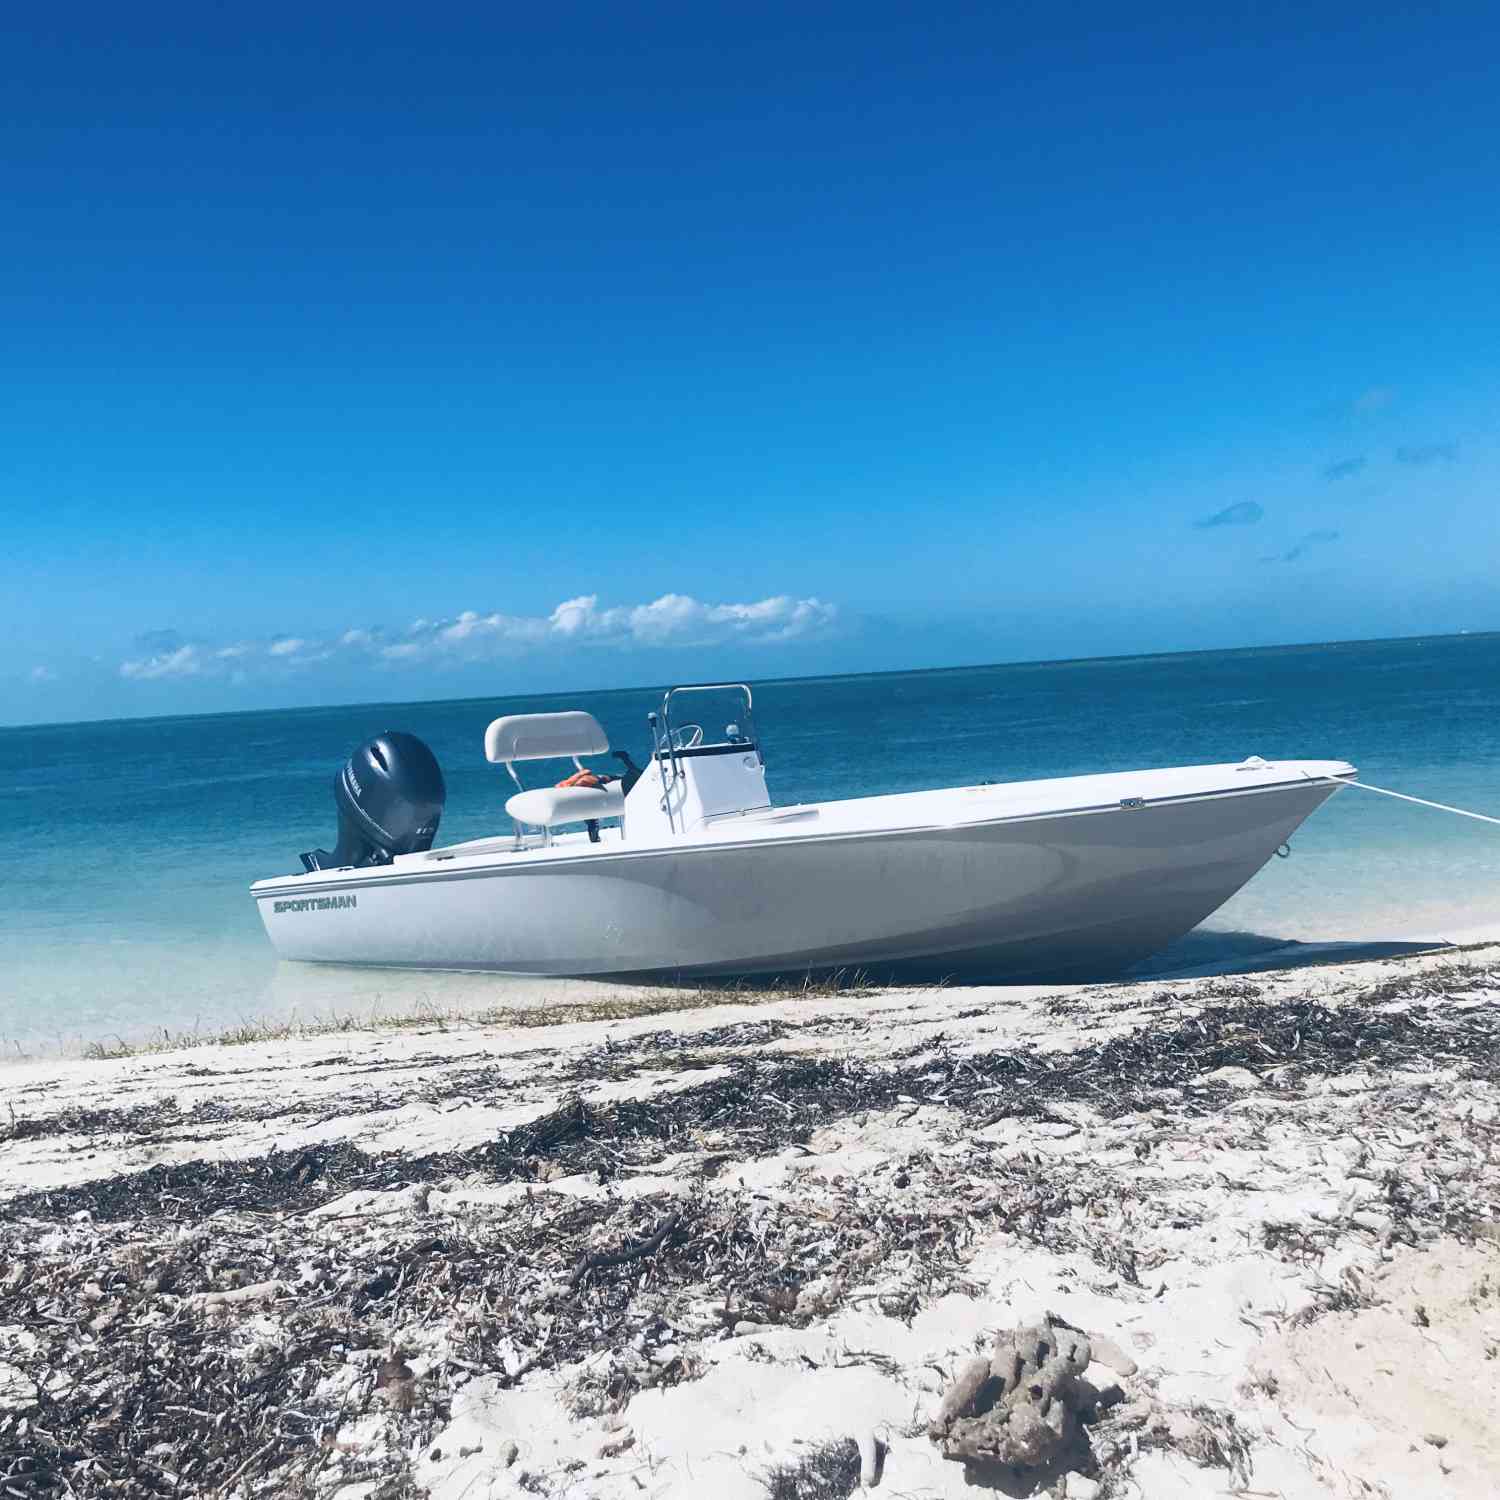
(742, 1249)
(308, 999)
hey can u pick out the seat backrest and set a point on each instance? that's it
(544, 737)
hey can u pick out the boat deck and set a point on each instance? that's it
(947, 807)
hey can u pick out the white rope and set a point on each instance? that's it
(1460, 812)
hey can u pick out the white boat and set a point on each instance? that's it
(687, 868)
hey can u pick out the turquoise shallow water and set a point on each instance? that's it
(132, 843)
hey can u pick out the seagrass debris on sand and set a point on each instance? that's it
(226, 1320)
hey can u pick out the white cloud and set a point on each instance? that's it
(678, 619)
(185, 661)
(671, 620)
(43, 674)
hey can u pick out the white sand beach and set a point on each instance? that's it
(742, 1249)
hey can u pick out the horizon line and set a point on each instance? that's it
(1057, 661)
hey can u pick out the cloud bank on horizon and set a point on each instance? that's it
(671, 620)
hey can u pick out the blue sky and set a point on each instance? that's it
(367, 354)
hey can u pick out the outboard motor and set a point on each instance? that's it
(390, 796)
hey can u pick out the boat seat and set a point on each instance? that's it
(548, 806)
(544, 737)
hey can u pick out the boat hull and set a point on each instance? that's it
(1070, 895)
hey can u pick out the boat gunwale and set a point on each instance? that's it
(507, 862)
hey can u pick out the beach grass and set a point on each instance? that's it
(666, 1000)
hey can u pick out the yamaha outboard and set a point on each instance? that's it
(390, 797)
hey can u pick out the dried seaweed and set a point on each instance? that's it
(1298, 1038)
(190, 1329)
(279, 1181)
(827, 1472)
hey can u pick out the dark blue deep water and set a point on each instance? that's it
(131, 844)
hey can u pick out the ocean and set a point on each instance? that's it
(131, 844)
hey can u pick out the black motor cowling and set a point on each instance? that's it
(390, 797)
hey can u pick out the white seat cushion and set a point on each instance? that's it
(544, 736)
(546, 807)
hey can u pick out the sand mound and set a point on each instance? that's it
(1404, 1394)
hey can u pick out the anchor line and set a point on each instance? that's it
(1365, 786)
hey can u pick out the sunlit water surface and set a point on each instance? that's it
(125, 907)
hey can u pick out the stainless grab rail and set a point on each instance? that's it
(666, 749)
(708, 687)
